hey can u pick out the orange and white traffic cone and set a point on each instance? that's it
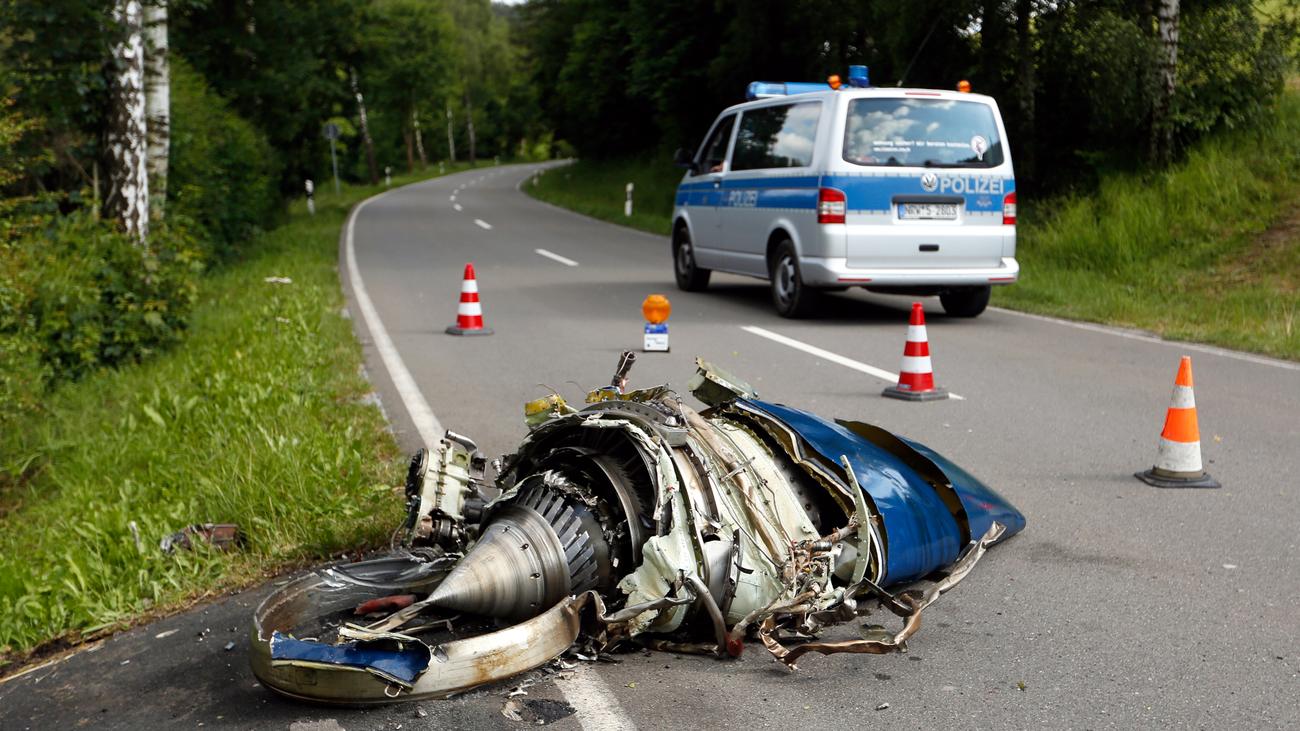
(469, 314)
(1178, 458)
(916, 376)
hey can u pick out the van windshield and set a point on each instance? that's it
(922, 133)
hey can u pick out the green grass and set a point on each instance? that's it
(597, 188)
(257, 418)
(1207, 251)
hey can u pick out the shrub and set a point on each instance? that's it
(78, 295)
(221, 172)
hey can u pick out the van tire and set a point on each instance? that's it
(965, 302)
(790, 296)
(690, 278)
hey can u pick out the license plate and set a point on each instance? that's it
(928, 211)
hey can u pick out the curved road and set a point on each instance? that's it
(1121, 605)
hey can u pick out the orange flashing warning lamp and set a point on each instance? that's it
(656, 309)
(963, 86)
(834, 81)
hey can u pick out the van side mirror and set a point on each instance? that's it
(683, 159)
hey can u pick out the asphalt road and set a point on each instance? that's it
(1121, 605)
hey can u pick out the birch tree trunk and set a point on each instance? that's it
(365, 131)
(157, 103)
(1026, 85)
(1162, 129)
(419, 138)
(408, 138)
(469, 127)
(451, 136)
(127, 136)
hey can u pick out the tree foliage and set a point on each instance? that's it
(1075, 78)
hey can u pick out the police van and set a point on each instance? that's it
(828, 186)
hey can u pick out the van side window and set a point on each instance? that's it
(780, 136)
(714, 152)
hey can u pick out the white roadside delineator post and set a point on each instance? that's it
(627, 204)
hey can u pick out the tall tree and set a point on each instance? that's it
(157, 102)
(366, 139)
(282, 64)
(419, 138)
(1162, 130)
(406, 55)
(1025, 86)
(127, 134)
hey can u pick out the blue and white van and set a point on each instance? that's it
(908, 191)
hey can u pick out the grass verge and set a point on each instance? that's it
(258, 417)
(1208, 250)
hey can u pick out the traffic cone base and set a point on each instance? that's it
(1162, 478)
(916, 376)
(1178, 455)
(456, 330)
(907, 394)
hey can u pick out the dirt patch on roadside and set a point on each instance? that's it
(1273, 259)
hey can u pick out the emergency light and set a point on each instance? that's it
(765, 89)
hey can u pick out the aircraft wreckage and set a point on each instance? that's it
(635, 519)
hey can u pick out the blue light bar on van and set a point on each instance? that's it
(765, 89)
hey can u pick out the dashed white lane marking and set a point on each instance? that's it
(457, 207)
(452, 198)
(1090, 327)
(836, 358)
(482, 224)
(552, 255)
(425, 422)
(596, 707)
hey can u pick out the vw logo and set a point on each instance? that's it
(929, 182)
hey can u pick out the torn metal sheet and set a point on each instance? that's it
(636, 519)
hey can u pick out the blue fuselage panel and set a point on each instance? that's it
(921, 532)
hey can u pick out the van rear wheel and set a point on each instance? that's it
(789, 294)
(965, 302)
(690, 277)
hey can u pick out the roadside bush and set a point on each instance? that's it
(80, 295)
(222, 173)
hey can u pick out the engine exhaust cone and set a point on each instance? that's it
(517, 569)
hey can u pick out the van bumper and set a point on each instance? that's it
(835, 272)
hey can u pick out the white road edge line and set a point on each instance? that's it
(595, 706)
(482, 224)
(457, 206)
(836, 358)
(552, 255)
(1143, 337)
(417, 408)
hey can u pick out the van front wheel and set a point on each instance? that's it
(789, 294)
(965, 302)
(690, 276)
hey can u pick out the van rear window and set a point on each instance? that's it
(922, 133)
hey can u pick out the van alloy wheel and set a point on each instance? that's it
(789, 295)
(690, 277)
